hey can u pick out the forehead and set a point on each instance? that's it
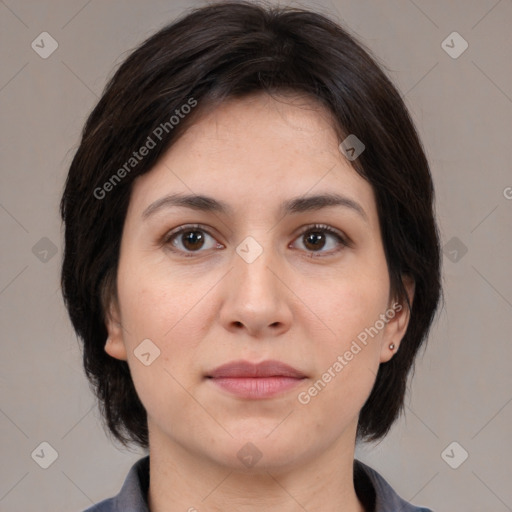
(261, 120)
(256, 150)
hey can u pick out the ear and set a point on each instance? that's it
(398, 316)
(114, 345)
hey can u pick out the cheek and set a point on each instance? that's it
(156, 301)
(347, 361)
(172, 314)
(350, 305)
(348, 355)
(154, 310)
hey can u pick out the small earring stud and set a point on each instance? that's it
(392, 346)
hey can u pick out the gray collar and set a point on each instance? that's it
(371, 488)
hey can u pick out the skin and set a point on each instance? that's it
(298, 302)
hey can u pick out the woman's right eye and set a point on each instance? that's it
(191, 239)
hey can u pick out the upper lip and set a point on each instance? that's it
(270, 368)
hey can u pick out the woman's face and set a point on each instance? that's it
(254, 281)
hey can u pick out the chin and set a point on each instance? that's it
(253, 450)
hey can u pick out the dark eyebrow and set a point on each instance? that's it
(295, 205)
(317, 202)
(192, 201)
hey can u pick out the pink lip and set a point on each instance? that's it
(269, 368)
(262, 380)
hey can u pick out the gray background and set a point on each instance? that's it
(463, 110)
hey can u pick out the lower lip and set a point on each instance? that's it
(256, 387)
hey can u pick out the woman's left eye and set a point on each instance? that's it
(191, 239)
(317, 238)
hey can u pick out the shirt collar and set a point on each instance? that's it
(371, 488)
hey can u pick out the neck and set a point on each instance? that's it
(184, 481)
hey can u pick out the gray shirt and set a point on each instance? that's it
(373, 491)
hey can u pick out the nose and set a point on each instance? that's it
(256, 299)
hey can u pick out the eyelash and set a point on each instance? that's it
(323, 228)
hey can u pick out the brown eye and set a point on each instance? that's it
(191, 239)
(316, 238)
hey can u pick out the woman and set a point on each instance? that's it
(251, 261)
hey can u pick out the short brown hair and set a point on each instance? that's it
(232, 49)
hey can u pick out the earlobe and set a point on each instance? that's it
(397, 326)
(115, 349)
(114, 345)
